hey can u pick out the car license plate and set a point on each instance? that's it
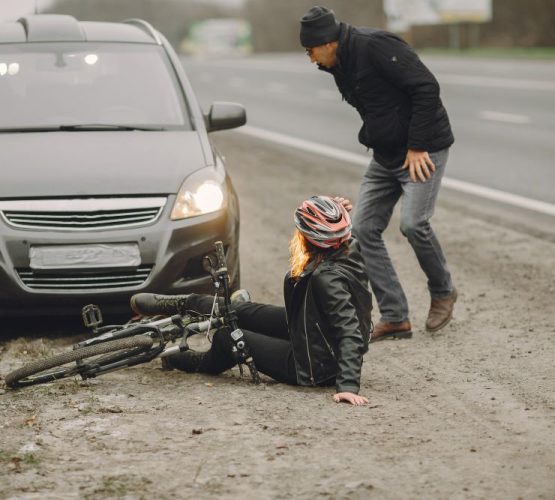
(85, 256)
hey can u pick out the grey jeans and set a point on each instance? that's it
(380, 190)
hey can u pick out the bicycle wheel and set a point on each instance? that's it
(53, 368)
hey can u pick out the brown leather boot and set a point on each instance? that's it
(386, 330)
(441, 312)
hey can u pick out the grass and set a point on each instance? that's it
(15, 462)
(495, 52)
(113, 487)
(30, 459)
(89, 406)
(117, 487)
(34, 349)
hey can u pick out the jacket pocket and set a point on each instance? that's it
(387, 131)
(326, 343)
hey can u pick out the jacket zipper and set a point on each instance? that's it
(306, 338)
(326, 341)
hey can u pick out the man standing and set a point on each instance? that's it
(406, 125)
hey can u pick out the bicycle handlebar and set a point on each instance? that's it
(240, 348)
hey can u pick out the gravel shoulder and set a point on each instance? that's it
(465, 413)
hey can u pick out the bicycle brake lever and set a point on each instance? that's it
(208, 266)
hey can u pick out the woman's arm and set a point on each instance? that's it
(349, 397)
(334, 298)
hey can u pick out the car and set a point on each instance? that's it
(110, 183)
(218, 37)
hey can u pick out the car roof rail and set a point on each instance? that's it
(146, 27)
(51, 28)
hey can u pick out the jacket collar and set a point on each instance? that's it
(309, 269)
(338, 254)
(343, 45)
(342, 49)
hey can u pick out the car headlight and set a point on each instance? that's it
(202, 192)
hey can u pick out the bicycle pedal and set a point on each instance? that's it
(92, 316)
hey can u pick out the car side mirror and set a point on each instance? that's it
(225, 115)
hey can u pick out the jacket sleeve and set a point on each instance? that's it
(334, 298)
(400, 66)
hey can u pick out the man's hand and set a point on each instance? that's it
(419, 164)
(345, 202)
(350, 397)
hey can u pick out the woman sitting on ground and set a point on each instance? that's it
(322, 333)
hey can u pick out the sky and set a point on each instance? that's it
(14, 9)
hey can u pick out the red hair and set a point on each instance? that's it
(301, 253)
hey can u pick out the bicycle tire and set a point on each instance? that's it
(33, 373)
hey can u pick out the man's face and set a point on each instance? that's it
(326, 55)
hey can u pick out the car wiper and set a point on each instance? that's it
(30, 129)
(80, 127)
(102, 126)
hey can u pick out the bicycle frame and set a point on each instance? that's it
(119, 346)
(169, 329)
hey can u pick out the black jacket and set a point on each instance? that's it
(396, 96)
(328, 315)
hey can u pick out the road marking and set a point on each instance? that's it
(358, 159)
(496, 116)
(490, 81)
(293, 66)
(311, 147)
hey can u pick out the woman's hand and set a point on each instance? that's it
(350, 397)
(345, 202)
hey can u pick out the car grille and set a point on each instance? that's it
(84, 280)
(81, 214)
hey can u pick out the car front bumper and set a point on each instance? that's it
(171, 258)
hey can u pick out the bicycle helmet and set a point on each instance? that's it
(324, 222)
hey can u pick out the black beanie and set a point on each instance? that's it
(318, 27)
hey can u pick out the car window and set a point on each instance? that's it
(53, 84)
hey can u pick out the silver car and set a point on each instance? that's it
(109, 183)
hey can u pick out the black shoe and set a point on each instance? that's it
(150, 304)
(166, 364)
(189, 361)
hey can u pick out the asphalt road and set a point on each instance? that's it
(502, 112)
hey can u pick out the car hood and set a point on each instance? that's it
(88, 163)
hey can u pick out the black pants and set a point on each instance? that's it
(265, 329)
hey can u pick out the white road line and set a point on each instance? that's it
(496, 116)
(358, 159)
(311, 147)
(490, 81)
(443, 78)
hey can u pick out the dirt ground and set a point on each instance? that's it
(466, 413)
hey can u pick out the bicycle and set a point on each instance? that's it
(114, 347)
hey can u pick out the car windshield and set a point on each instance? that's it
(107, 84)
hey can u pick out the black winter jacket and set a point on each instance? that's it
(396, 96)
(329, 320)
